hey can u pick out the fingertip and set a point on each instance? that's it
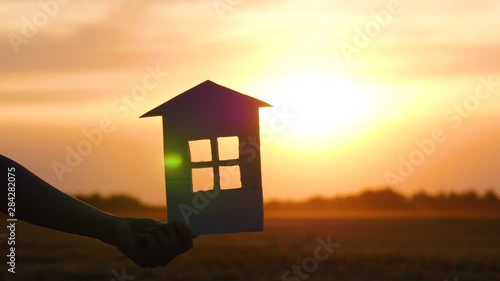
(184, 235)
(180, 229)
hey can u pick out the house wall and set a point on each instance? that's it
(179, 179)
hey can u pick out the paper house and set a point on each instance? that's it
(212, 159)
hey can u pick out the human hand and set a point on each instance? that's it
(150, 243)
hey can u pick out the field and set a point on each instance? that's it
(370, 249)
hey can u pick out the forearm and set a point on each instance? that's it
(39, 203)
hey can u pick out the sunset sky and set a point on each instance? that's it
(367, 93)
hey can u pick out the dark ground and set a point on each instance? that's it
(376, 249)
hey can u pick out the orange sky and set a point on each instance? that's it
(364, 86)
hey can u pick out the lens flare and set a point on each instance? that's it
(173, 161)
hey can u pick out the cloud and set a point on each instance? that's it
(428, 60)
(187, 35)
(41, 97)
(85, 47)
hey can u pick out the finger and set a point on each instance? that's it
(163, 239)
(172, 247)
(150, 229)
(141, 224)
(182, 230)
(171, 233)
(149, 240)
(165, 234)
(186, 240)
(153, 255)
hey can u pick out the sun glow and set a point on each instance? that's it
(322, 105)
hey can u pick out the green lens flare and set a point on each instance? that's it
(173, 161)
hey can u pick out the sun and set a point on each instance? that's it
(322, 105)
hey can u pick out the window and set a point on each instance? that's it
(230, 177)
(228, 148)
(215, 164)
(200, 151)
(203, 179)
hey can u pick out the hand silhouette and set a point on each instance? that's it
(150, 243)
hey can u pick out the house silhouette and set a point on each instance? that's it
(206, 120)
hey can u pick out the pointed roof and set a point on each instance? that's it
(205, 95)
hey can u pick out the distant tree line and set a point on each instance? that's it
(386, 199)
(380, 200)
(113, 202)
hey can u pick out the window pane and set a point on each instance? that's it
(200, 151)
(228, 148)
(230, 177)
(203, 179)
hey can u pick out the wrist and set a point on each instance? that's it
(108, 230)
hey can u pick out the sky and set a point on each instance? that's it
(365, 94)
